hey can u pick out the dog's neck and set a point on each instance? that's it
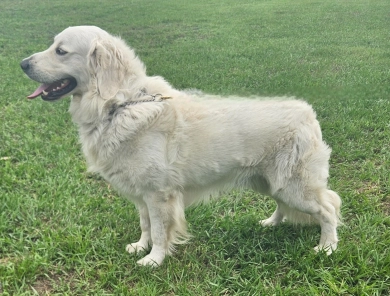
(88, 110)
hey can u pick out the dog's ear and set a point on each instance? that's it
(106, 67)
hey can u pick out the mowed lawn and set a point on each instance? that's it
(64, 231)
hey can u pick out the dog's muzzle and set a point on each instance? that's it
(49, 91)
(25, 65)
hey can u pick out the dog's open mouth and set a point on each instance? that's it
(55, 90)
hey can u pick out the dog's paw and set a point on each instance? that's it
(136, 248)
(327, 249)
(272, 221)
(149, 261)
(268, 222)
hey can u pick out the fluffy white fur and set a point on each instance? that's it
(167, 155)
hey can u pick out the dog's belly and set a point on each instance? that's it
(213, 185)
(133, 178)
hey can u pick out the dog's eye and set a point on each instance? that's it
(60, 51)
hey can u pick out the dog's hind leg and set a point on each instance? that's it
(167, 224)
(277, 217)
(321, 204)
(329, 218)
(143, 242)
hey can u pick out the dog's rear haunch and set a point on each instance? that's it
(165, 155)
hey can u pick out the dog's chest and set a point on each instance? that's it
(91, 148)
(121, 162)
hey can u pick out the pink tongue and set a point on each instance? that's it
(38, 91)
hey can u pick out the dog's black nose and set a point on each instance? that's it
(25, 65)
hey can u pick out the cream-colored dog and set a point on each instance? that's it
(167, 149)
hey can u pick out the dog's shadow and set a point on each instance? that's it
(241, 238)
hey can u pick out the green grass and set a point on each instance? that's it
(64, 232)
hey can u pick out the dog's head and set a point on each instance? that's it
(81, 59)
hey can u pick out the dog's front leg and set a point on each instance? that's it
(143, 242)
(160, 207)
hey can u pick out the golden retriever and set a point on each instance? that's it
(167, 149)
